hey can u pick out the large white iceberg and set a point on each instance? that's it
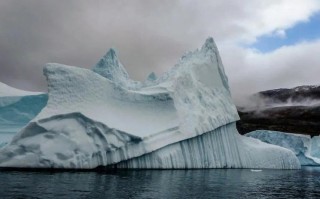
(17, 108)
(307, 149)
(183, 119)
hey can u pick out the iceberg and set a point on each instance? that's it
(307, 149)
(185, 118)
(17, 108)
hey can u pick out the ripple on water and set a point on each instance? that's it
(215, 183)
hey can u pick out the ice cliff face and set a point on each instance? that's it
(307, 149)
(183, 119)
(220, 148)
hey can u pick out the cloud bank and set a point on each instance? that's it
(152, 36)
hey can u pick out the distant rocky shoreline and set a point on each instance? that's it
(295, 110)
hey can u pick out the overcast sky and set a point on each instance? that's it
(264, 44)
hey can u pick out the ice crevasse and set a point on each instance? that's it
(182, 119)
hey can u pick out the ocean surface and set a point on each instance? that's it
(211, 183)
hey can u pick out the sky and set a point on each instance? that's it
(264, 44)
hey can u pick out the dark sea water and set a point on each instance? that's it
(218, 183)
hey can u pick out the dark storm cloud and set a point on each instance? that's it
(148, 35)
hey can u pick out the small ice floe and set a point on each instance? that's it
(256, 170)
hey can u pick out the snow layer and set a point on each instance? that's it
(6, 91)
(307, 149)
(102, 118)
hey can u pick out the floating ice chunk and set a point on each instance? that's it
(256, 170)
(306, 149)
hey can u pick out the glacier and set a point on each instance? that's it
(307, 149)
(182, 119)
(17, 109)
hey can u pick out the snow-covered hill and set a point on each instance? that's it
(294, 110)
(307, 95)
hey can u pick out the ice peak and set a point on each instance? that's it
(112, 54)
(209, 45)
(111, 68)
(110, 59)
(152, 76)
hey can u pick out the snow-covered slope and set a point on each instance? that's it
(307, 149)
(103, 118)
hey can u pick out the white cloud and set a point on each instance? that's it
(280, 33)
(289, 66)
(269, 16)
(244, 21)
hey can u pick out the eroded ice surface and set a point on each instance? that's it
(307, 149)
(221, 148)
(103, 118)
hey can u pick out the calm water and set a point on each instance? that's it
(218, 183)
